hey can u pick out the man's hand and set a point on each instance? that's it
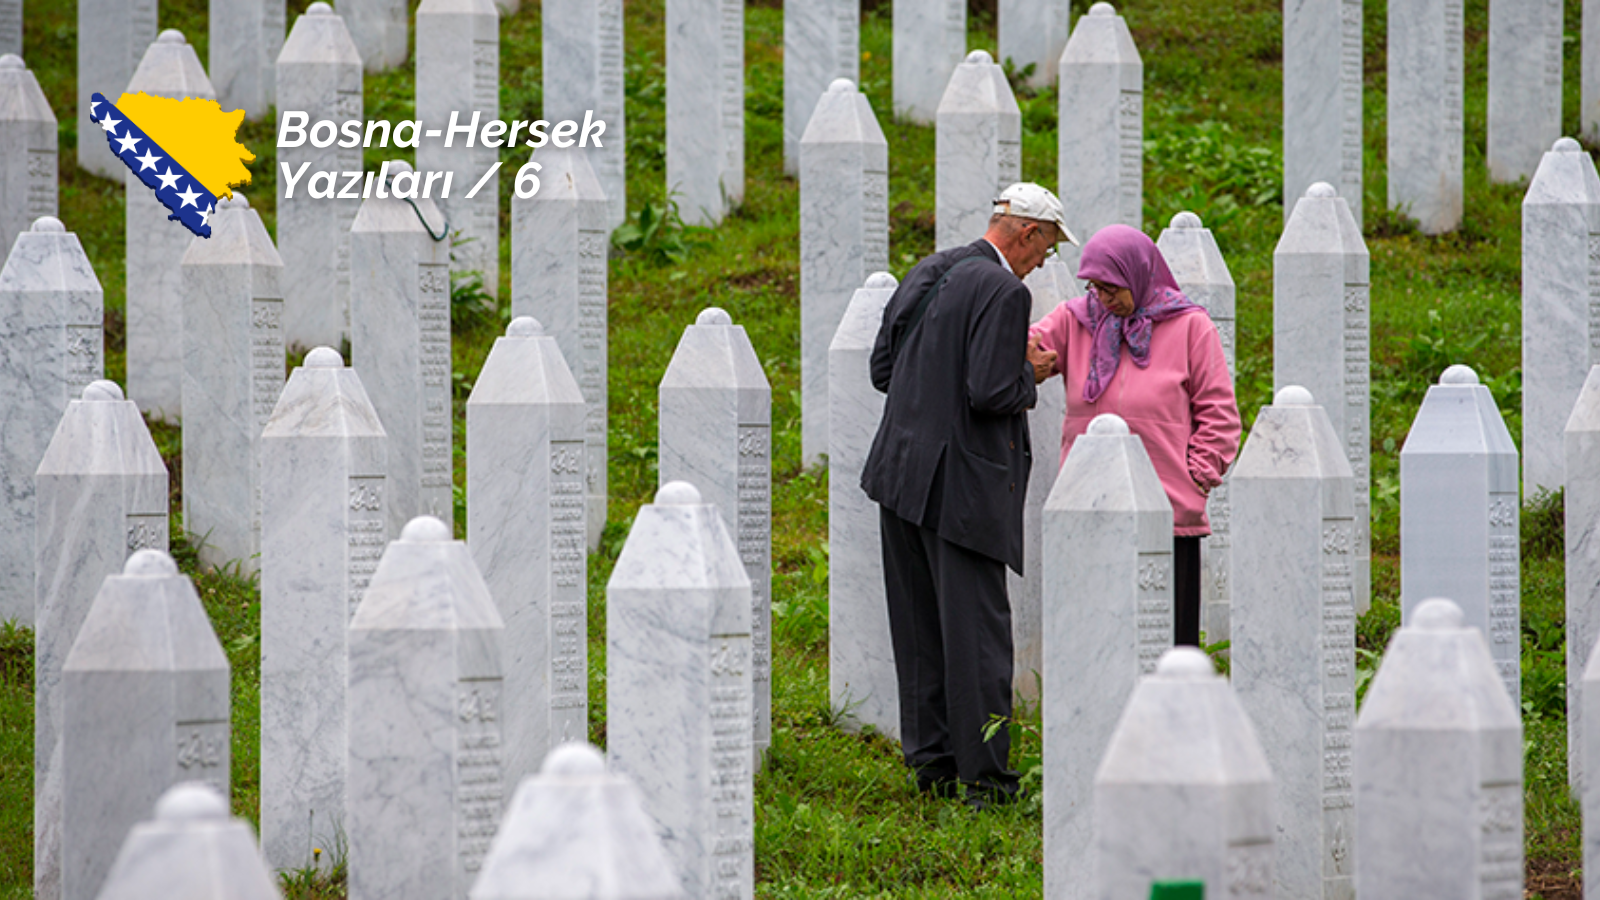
(1043, 361)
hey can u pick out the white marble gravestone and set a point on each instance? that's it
(11, 26)
(458, 83)
(51, 348)
(101, 493)
(1458, 517)
(1582, 508)
(716, 433)
(574, 826)
(844, 236)
(861, 675)
(1425, 125)
(1033, 33)
(322, 532)
(112, 38)
(1107, 541)
(930, 40)
(233, 361)
(1560, 304)
(1589, 733)
(1101, 141)
(1321, 337)
(978, 149)
(246, 36)
(27, 151)
(1191, 253)
(1050, 285)
(318, 73)
(1438, 767)
(678, 688)
(526, 530)
(1322, 86)
(821, 44)
(559, 244)
(400, 343)
(156, 244)
(705, 107)
(191, 849)
(1184, 790)
(1524, 114)
(144, 706)
(424, 786)
(381, 30)
(582, 73)
(1294, 631)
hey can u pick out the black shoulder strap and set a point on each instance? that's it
(927, 298)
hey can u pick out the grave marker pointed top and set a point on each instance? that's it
(170, 68)
(186, 849)
(843, 115)
(319, 36)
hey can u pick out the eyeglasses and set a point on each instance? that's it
(1051, 250)
(1105, 291)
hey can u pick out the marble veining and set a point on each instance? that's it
(28, 171)
(715, 433)
(930, 40)
(978, 149)
(575, 825)
(51, 348)
(1438, 767)
(705, 107)
(583, 42)
(1293, 653)
(526, 530)
(400, 345)
(381, 30)
(112, 37)
(1322, 87)
(424, 789)
(1582, 502)
(821, 43)
(1321, 338)
(1033, 33)
(678, 685)
(861, 675)
(144, 702)
(319, 73)
(246, 37)
(458, 72)
(1560, 303)
(1425, 125)
(1183, 790)
(155, 245)
(844, 236)
(322, 531)
(1524, 107)
(559, 246)
(233, 362)
(101, 494)
(1107, 599)
(1101, 142)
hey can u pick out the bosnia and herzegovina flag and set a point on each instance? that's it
(184, 150)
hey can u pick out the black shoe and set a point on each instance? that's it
(983, 797)
(945, 787)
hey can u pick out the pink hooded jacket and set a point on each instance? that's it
(1182, 404)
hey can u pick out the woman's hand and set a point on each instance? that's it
(1043, 361)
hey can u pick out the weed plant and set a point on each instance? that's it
(835, 813)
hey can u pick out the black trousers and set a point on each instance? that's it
(950, 625)
(1186, 591)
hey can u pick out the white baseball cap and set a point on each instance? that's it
(1027, 200)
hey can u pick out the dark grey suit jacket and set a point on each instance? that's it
(952, 452)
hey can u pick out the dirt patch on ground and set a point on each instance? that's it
(1552, 879)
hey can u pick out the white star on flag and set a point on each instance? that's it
(169, 179)
(110, 124)
(205, 217)
(148, 161)
(189, 196)
(128, 141)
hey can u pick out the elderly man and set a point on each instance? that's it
(949, 470)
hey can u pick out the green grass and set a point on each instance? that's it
(834, 815)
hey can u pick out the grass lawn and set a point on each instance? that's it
(834, 813)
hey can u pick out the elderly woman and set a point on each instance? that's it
(1135, 346)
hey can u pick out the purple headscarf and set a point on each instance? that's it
(1124, 256)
